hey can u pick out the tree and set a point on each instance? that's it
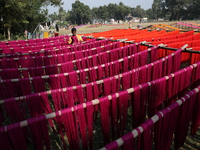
(103, 12)
(62, 14)
(95, 14)
(138, 12)
(149, 13)
(193, 10)
(178, 8)
(118, 12)
(158, 9)
(122, 11)
(20, 15)
(54, 16)
(80, 13)
(112, 10)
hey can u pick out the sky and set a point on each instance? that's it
(145, 4)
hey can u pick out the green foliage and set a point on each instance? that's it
(122, 11)
(62, 23)
(80, 13)
(24, 14)
(157, 9)
(176, 9)
(110, 11)
(103, 13)
(54, 16)
(149, 13)
(62, 14)
(138, 12)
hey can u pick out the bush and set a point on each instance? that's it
(1, 37)
(17, 37)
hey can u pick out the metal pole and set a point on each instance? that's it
(173, 49)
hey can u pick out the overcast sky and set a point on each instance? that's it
(95, 3)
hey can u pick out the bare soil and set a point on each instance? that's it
(86, 30)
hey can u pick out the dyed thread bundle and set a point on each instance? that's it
(71, 113)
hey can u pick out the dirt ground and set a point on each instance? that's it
(85, 30)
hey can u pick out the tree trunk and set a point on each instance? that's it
(171, 17)
(8, 29)
(4, 33)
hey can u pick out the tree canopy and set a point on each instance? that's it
(167, 9)
(24, 14)
(176, 9)
(80, 13)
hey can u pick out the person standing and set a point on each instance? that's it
(57, 31)
(129, 26)
(57, 28)
(139, 26)
(26, 34)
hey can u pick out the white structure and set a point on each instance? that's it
(112, 21)
(145, 19)
(41, 28)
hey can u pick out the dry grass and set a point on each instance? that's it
(106, 28)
